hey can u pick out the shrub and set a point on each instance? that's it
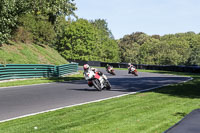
(42, 31)
(22, 35)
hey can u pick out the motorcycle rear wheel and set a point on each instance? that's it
(113, 73)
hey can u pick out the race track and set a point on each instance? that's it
(26, 100)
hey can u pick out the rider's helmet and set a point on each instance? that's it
(86, 67)
(129, 64)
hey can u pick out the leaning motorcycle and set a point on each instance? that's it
(133, 71)
(110, 70)
(99, 81)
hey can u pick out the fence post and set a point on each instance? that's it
(56, 71)
(77, 67)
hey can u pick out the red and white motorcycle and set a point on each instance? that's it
(98, 80)
(110, 70)
(133, 70)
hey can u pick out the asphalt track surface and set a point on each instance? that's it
(189, 124)
(22, 101)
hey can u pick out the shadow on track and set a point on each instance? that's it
(133, 84)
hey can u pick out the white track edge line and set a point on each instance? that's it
(1, 88)
(92, 101)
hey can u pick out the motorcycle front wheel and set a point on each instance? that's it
(135, 73)
(97, 84)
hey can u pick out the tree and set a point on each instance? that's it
(7, 19)
(130, 45)
(79, 41)
(11, 10)
(52, 8)
(109, 50)
(83, 40)
(195, 56)
(102, 25)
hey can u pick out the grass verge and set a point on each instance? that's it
(148, 112)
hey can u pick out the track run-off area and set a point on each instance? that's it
(21, 101)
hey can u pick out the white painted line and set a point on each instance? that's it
(25, 85)
(92, 101)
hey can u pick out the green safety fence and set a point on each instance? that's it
(66, 69)
(19, 71)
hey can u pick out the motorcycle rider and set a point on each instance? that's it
(86, 72)
(129, 67)
(108, 66)
(95, 70)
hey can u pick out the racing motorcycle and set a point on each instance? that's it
(98, 80)
(110, 70)
(133, 71)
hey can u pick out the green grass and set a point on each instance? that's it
(148, 112)
(77, 76)
(29, 54)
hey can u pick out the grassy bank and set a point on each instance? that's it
(149, 112)
(29, 54)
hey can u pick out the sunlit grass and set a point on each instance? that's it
(29, 54)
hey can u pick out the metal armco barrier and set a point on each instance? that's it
(19, 71)
(67, 69)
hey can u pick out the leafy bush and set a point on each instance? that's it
(7, 19)
(40, 29)
(22, 35)
(10, 10)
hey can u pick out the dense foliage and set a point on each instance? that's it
(37, 29)
(84, 40)
(11, 10)
(7, 19)
(172, 49)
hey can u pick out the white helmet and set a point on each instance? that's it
(129, 64)
(86, 67)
